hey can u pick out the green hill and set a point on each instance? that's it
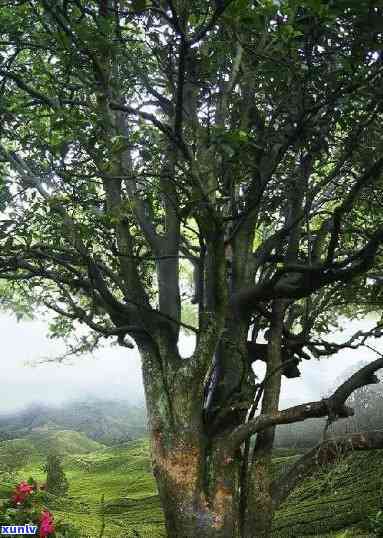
(61, 442)
(337, 498)
(123, 475)
(105, 421)
(33, 449)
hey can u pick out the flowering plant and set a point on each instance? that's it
(22, 492)
(26, 506)
(47, 527)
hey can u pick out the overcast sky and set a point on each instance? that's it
(115, 372)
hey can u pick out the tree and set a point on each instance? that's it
(142, 140)
(57, 483)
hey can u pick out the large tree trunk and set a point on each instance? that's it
(197, 477)
(197, 492)
(196, 469)
(196, 483)
(197, 480)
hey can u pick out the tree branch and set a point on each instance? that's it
(201, 33)
(42, 98)
(333, 407)
(163, 127)
(179, 111)
(370, 175)
(298, 281)
(358, 339)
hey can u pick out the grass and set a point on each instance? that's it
(334, 503)
(123, 475)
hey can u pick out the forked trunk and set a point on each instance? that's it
(197, 470)
(197, 494)
(198, 485)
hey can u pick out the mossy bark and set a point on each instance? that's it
(190, 508)
(260, 509)
(196, 479)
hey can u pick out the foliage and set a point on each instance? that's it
(53, 112)
(124, 474)
(26, 506)
(354, 496)
(376, 523)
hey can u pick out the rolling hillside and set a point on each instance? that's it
(105, 421)
(15, 453)
(122, 474)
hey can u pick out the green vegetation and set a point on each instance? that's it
(122, 474)
(336, 502)
(57, 483)
(338, 498)
(42, 442)
(108, 422)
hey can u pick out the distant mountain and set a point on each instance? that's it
(108, 422)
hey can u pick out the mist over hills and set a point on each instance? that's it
(115, 421)
(105, 421)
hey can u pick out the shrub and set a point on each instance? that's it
(57, 483)
(25, 505)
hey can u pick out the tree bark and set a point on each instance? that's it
(196, 469)
(197, 490)
(259, 517)
(197, 481)
(196, 472)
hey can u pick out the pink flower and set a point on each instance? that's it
(21, 492)
(47, 525)
(24, 487)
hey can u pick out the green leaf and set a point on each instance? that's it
(138, 5)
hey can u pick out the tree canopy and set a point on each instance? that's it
(134, 134)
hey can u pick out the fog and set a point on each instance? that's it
(115, 372)
(111, 372)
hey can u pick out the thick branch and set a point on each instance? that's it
(333, 407)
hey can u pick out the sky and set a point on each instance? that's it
(115, 372)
